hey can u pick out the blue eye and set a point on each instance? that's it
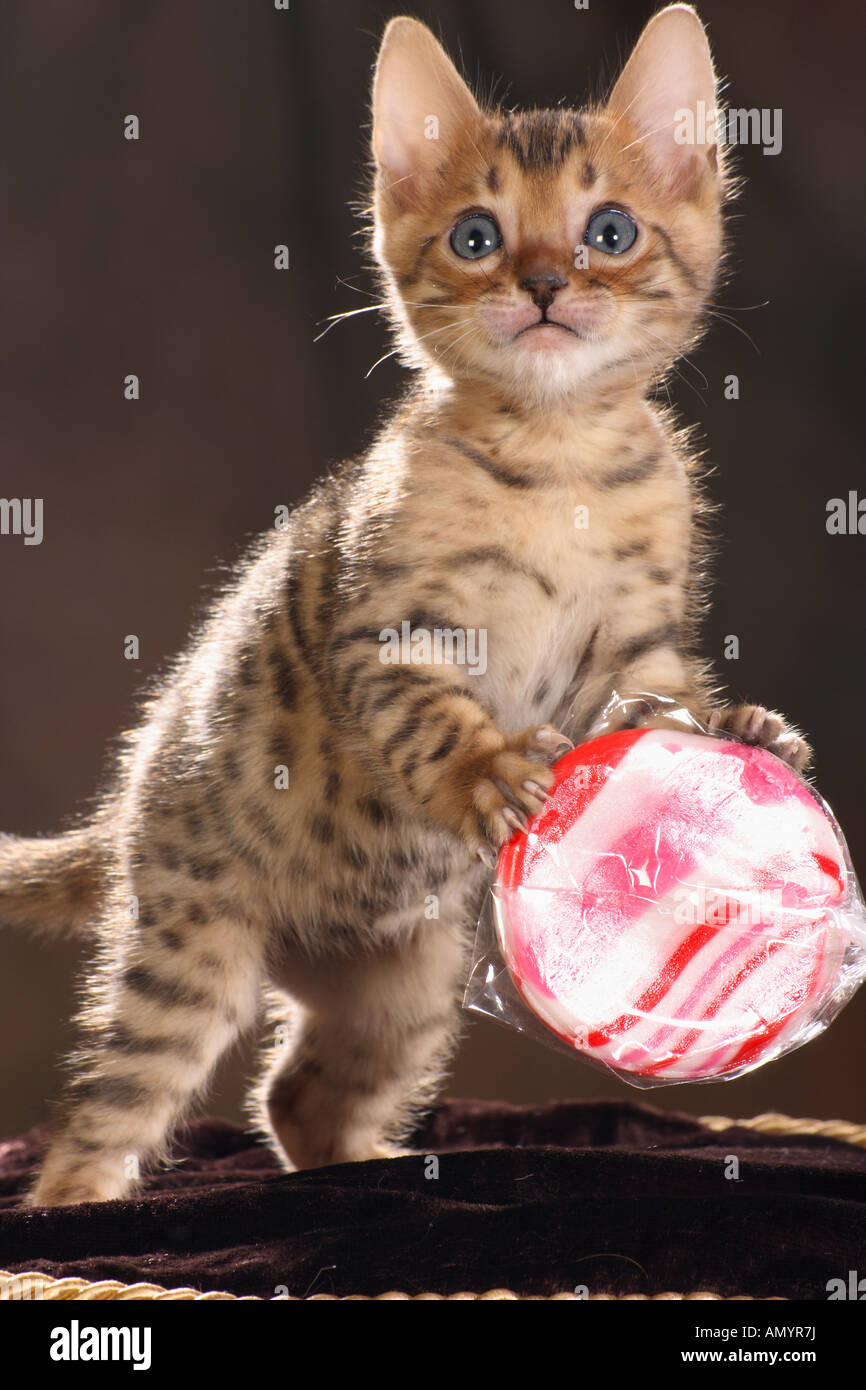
(475, 236)
(610, 231)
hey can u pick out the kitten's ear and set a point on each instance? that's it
(667, 90)
(420, 104)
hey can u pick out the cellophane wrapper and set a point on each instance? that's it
(657, 961)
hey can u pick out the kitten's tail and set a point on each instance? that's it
(52, 884)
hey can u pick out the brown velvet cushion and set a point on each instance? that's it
(619, 1198)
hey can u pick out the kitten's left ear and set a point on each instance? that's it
(667, 91)
(420, 105)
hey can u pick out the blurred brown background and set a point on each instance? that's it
(156, 258)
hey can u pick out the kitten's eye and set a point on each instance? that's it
(611, 232)
(475, 236)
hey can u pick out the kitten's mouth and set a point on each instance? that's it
(549, 323)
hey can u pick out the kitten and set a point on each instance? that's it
(293, 810)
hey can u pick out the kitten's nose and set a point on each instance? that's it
(542, 288)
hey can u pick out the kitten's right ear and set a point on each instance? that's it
(420, 105)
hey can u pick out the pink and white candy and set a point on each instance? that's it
(673, 911)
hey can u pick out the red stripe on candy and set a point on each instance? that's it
(674, 967)
(830, 868)
(757, 1044)
(518, 854)
(713, 1008)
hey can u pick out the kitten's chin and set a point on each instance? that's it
(549, 363)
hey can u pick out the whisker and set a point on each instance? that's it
(738, 308)
(333, 319)
(446, 347)
(357, 288)
(442, 328)
(392, 353)
(722, 318)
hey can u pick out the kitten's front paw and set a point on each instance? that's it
(764, 727)
(513, 786)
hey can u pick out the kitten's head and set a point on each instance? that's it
(547, 249)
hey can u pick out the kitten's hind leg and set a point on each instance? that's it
(164, 1005)
(369, 1053)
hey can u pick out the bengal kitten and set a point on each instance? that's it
(298, 815)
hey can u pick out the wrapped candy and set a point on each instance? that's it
(683, 909)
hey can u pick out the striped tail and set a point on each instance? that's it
(52, 884)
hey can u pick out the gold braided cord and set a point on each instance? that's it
(38, 1287)
(771, 1123)
(35, 1284)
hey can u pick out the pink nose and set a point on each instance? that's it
(542, 288)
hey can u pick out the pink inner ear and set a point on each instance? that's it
(420, 102)
(667, 87)
(393, 149)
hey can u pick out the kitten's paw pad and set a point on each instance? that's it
(764, 728)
